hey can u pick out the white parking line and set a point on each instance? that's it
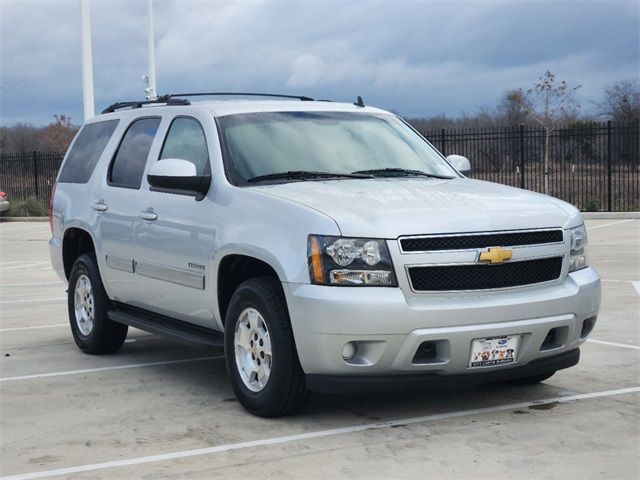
(106, 369)
(32, 284)
(611, 223)
(614, 344)
(314, 435)
(634, 283)
(21, 230)
(32, 300)
(12, 268)
(35, 327)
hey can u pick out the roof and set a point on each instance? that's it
(229, 107)
(237, 106)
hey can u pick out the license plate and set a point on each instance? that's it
(487, 352)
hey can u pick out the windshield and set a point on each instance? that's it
(341, 143)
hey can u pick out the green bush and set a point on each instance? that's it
(29, 207)
(591, 206)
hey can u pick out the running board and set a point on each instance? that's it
(167, 326)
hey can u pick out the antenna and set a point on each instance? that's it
(359, 102)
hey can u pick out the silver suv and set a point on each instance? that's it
(328, 246)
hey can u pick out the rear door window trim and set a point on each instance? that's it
(115, 154)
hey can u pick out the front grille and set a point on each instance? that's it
(483, 276)
(463, 242)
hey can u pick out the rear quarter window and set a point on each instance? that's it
(86, 151)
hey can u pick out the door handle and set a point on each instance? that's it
(148, 215)
(99, 206)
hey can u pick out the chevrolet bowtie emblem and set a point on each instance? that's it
(495, 255)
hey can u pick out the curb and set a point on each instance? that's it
(24, 219)
(610, 215)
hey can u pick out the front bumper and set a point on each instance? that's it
(389, 327)
(431, 381)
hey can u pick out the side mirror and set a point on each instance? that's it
(178, 175)
(460, 163)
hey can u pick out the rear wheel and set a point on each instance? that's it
(88, 305)
(532, 380)
(260, 350)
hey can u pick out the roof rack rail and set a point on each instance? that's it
(166, 99)
(240, 94)
(170, 99)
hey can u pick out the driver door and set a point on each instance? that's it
(174, 244)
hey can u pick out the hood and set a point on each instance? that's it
(392, 207)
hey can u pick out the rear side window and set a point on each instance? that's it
(185, 140)
(131, 157)
(86, 151)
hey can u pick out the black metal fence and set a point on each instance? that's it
(595, 166)
(29, 174)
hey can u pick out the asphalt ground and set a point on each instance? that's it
(159, 409)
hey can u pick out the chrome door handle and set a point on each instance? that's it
(148, 215)
(99, 206)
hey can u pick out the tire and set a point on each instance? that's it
(93, 331)
(531, 380)
(259, 312)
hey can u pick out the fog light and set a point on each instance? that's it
(349, 350)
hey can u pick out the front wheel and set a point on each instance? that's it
(88, 303)
(260, 351)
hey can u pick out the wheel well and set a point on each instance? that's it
(235, 269)
(76, 242)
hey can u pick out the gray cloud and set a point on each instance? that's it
(418, 58)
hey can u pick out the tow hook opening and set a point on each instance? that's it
(556, 338)
(431, 351)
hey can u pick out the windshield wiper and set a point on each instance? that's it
(305, 175)
(400, 172)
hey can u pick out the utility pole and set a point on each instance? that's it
(87, 61)
(151, 91)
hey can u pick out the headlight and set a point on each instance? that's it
(578, 255)
(350, 262)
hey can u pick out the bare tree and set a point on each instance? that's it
(514, 108)
(621, 102)
(58, 135)
(4, 138)
(552, 101)
(21, 137)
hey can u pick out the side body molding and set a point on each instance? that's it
(178, 276)
(164, 273)
(119, 263)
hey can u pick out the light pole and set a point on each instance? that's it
(151, 91)
(87, 61)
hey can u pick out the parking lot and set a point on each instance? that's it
(159, 409)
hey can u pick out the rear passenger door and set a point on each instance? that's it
(174, 247)
(119, 205)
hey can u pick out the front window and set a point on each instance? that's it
(261, 145)
(185, 140)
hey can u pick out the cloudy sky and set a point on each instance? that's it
(417, 58)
